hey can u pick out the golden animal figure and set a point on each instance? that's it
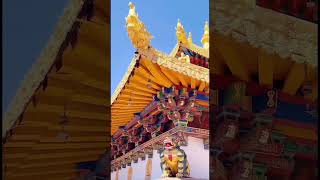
(174, 161)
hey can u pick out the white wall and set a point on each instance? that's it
(198, 158)
(139, 170)
(156, 169)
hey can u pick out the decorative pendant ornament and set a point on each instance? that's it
(231, 131)
(181, 101)
(130, 173)
(149, 168)
(246, 169)
(264, 136)
(176, 115)
(191, 103)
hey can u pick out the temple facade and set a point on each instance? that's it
(264, 91)
(161, 95)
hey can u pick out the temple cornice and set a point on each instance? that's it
(276, 33)
(181, 132)
(177, 65)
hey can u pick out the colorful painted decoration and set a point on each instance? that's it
(174, 161)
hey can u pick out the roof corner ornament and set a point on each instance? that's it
(181, 35)
(137, 31)
(205, 37)
(190, 38)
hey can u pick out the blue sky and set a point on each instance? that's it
(27, 26)
(160, 18)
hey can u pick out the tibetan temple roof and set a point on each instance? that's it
(58, 117)
(150, 70)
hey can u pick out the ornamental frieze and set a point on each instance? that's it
(287, 36)
(156, 143)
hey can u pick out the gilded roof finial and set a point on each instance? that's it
(205, 37)
(137, 31)
(190, 37)
(132, 10)
(181, 35)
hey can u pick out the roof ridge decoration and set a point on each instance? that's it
(177, 65)
(287, 36)
(40, 68)
(137, 31)
(141, 38)
(205, 37)
(190, 38)
(181, 34)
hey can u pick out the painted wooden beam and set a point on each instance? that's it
(144, 72)
(183, 79)
(120, 101)
(81, 69)
(50, 135)
(35, 170)
(314, 94)
(80, 113)
(125, 104)
(59, 161)
(170, 76)
(135, 86)
(120, 117)
(52, 146)
(85, 77)
(124, 109)
(85, 51)
(136, 92)
(266, 69)
(54, 118)
(94, 35)
(202, 86)
(294, 79)
(61, 84)
(193, 83)
(44, 174)
(156, 72)
(134, 97)
(232, 56)
(70, 128)
(216, 62)
(144, 82)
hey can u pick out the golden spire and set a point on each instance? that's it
(205, 37)
(181, 35)
(190, 38)
(137, 31)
